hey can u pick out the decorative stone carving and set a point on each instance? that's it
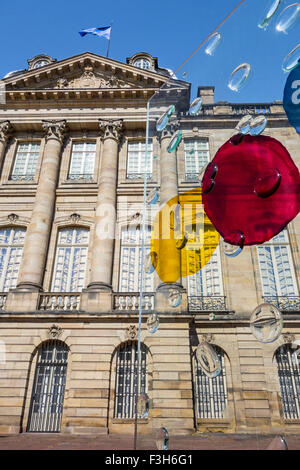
(170, 129)
(54, 332)
(6, 130)
(56, 129)
(75, 218)
(111, 129)
(288, 337)
(208, 337)
(12, 218)
(131, 332)
(92, 79)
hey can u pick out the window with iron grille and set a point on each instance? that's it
(126, 379)
(70, 260)
(276, 267)
(82, 161)
(48, 387)
(138, 162)
(288, 366)
(11, 248)
(196, 156)
(130, 260)
(26, 161)
(211, 394)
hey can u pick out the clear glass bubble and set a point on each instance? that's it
(239, 77)
(162, 439)
(175, 141)
(208, 360)
(164, 119)
(153, 323)
(243, 126)
(292, 60)
(151, 261)
(174, 297)
(278, 443)
(201, 172)
(266, 323)
(195, 107)
(155, 157)
(211, 316)
(143, 405)
(272, 8)
(180, 241)
(213, 42)
(258, 125)
(153, 197)
(288, 17)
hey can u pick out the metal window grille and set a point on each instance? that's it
(126, 379)
(131, 252)
(276, 267)
(48, 388)
(289, 379)
(83, 160)
(70, 260)
(137, 164)
(211, 394)
(11, 248)
(196, 157)
(26, 161)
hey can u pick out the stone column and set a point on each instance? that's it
(104, 236)
(5, 133)
(170, 271)
(38, 232)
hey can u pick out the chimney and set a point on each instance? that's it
(207, 94)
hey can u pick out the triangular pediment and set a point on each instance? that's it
(85, 71)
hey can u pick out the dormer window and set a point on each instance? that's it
(40, 63)
(142, 63)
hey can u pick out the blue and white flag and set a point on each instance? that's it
(101, 32)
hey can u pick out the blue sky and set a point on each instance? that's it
(168, 29)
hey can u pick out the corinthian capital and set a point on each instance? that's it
(6, 130)
(170, 129)
(111, 129)
(55, 129)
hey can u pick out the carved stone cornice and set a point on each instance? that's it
(169, 130)
(6, 131)
(55, 129)
(111, 129)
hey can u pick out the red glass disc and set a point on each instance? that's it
(256, 190)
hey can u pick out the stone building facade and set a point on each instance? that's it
(71, 143)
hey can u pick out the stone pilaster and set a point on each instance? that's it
(104, 236)
(6, 130)
(169, 190)
(38, 232)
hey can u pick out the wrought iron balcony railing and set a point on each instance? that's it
(84, 176)
(207, 303)
(136, 176)
(252, 108)
(130, 301)
(286, 303)
(26, 177)
(59, 301)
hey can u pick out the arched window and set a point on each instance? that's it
(131, 251)
(11, 248)
(210, 394)
(70, 260)
(48, 388)
(288, 366)
(126, 378)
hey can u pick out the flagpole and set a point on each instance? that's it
(109, 39)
